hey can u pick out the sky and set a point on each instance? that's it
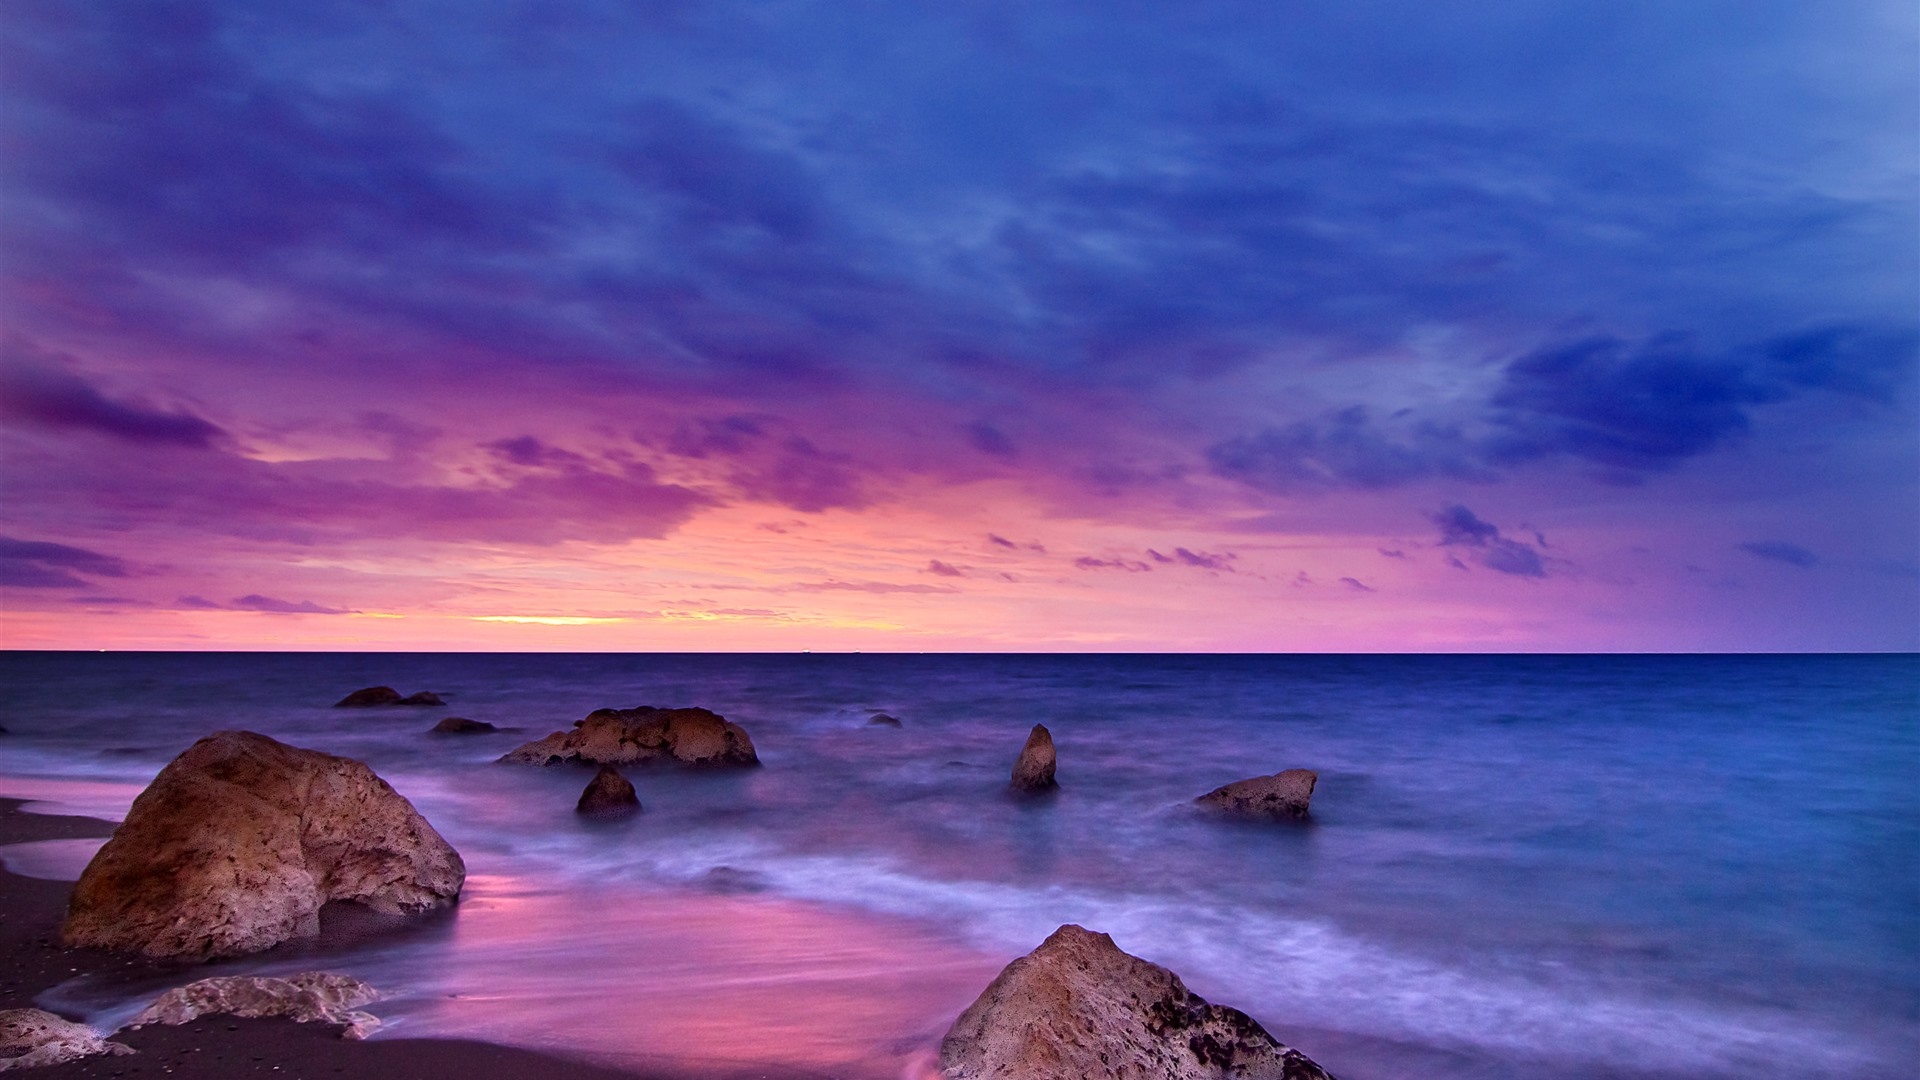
(1037, 326)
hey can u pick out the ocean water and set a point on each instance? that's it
(1520, 867)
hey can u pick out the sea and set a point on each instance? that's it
(1538, 867)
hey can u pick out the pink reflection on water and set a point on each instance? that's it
(689, 982)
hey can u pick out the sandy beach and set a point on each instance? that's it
(33, 961)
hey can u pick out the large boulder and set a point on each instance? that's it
(1033, 770)
(238, 843)
(1078, 1007)
(629, 736)
(608, 794)
(1283, 795)
(35, 1037)
(309, 997)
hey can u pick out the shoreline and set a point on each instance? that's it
(33, 961)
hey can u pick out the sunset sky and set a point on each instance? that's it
(966, 326)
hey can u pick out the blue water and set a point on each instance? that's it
(1534, 867)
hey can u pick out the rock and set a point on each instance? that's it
(238, 843)
(309, 997)
(424, 697)
(1034, 770)
(608, 794)
(460, 725)
(1079, 1007)
(627, 736)
(371, 696)
(883, 720)
(1282, 795)
(34, 1037)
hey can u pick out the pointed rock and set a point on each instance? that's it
(1034, 769)
(1079, 1007)
(608, 794)
(1284, 795)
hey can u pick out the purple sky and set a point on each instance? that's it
(968, 326)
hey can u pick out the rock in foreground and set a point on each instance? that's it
(628, 736)
(34, 1037)
(608, 794)
(238, 843)
(1078, 1007)
(1283, 795)
(1033, 770)
(309, 997)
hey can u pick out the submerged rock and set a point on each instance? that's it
(309, 997)
(460, 725)
(238, 843)
(33, 1037)
(881, 719)
(1079, 1007)
(423, 697)
(627, 736)
(1283, 795)
(1033, 771)
(608, 794)
(371, 696)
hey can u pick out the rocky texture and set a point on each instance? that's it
(33, 1037)
(1034, 769)
(238, 843)
(1283, 795)
(1078, 1007)
(371, 696)
(423, 697)
(627, 736)
(309, 997)
(608, 794)
(460, 725)
(881, 719)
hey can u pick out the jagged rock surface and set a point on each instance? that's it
(33, 1037)
(309, 997)
(1078, 1008)
(1033, 770)
(1284, 795)
(238, 843)
(608, 794)
(628, 736)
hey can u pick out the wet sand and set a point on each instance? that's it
(32, 961)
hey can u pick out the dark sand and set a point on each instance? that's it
(32, 960)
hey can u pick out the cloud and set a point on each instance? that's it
(1001, 541)
(38, 564)
(789, 470)
(1346, 449)
(256, 602)
(1780, 551)
(1131, 566)
(46, 398)
(1355, 584)
(863, 586)
(935, 566)
(1460, 526)
(531, 452)
(990, 440)
(1204, 561)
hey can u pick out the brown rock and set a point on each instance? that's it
(1077, 1007)
(460, 725)
(1034, 769)
(309, 997)
(371, 696)
(424, 697)
(1282, 795)
(238, 843)
(34, 1037)
(608, 794)
(626, 736)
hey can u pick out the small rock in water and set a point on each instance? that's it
(608, 794)
(424, 697)
(883, 720)
(1079, 1007)
(309, 997)
(624, 736)
(35, 1037)
(1283, 795)
(1034, 769)
(460, 725)
(371, 696)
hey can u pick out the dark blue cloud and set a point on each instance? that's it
(48, 398)
(1461, 527)
(1781, 551)
(39, 564)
